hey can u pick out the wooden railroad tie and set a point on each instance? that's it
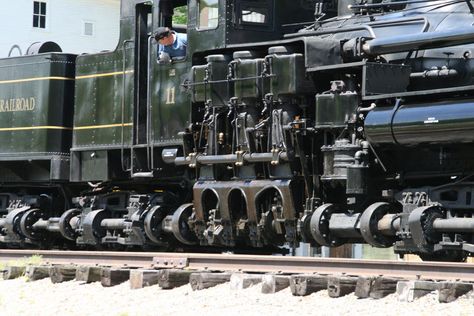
(13, 272)
(240, 281)
(450, 291)
(88, 274)
(341, 285)
(204, 280)
(143, 278)
(305, 284)
(408, 291)
(272, 283)
(171, 278)
(35, 273)
(375, 287)
(111, 276)
(62, 273)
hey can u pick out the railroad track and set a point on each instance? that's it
(253, 263)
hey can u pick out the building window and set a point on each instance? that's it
(208, 14)
(88, 28)
(39, 14)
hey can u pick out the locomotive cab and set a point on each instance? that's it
(219, 24)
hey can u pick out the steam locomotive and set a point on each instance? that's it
(319, 121)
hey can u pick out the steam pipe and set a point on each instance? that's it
(434, 74)
(403, 43)
(367, 27)
(231, 158)
(383, 4)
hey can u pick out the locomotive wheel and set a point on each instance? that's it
(320, 226)
(26, 224)
(180, 227)
(92, 231)
(12, 222)
(420, 222)
(65, 226)
(421, 227)
(152, 223)
(368, 225)
(305, 229)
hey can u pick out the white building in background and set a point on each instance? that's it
(78, 26)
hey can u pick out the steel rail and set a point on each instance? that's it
(255, 263)
(287, 264)
(105, 258)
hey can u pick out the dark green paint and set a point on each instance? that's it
(169, 118)
(99, 100)
(249, 88)
(53, 105)
(288, 72)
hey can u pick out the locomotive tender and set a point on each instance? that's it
(318, 121)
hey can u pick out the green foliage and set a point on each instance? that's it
(180, 15)
(34, 260)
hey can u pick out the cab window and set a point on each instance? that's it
(252, 14)
(255, 14)
(208, 14)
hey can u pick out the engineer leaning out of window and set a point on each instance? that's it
(172, 44)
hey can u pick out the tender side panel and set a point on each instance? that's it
(36, 110)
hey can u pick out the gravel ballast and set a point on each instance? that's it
(18, 297)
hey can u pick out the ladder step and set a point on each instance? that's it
(143, 174)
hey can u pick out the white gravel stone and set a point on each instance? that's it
(18, 297)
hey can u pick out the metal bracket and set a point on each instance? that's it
(275, 157)
(170, 262)
(193, 160)
(240, 158)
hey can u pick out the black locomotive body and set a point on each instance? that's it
(326, 122)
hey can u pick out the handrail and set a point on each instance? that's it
(148, 107)
(367, 27)
(332, 31)
(122, 147)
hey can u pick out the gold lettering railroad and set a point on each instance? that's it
(17, 105)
